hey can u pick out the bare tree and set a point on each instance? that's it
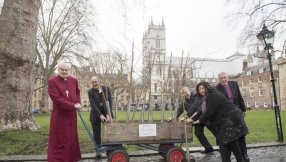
(64, 34)
(18, 28)
(253, 14)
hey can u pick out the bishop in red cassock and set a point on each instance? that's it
(63, 144)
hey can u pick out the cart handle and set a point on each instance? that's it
(87, 129)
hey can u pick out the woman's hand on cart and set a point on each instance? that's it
(196, 122)
(182, 119)
(189, 120)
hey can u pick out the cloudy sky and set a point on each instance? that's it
(197, 27)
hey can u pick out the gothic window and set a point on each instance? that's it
(155, 85)
(157, 41)
(158, 71)
(243, 82)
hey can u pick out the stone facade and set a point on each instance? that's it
(256, 89)
(281, 62)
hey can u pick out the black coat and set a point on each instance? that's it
(186, 104)
(95, 99)
(228, 117)
(238, 100)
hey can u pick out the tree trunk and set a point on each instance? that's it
(18, 28)
(44, 97)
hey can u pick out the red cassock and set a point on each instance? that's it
(63, 144)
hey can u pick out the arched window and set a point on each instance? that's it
(157, 41)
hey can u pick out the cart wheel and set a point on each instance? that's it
(163, 148)
(175, 154)
(118, 156)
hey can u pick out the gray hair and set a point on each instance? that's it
(64, 63)
(222, 73)
(185, 89)
(95, 77)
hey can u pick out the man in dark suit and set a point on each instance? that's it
(231, 90)
(100, 101)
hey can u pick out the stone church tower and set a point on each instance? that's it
(154, 52)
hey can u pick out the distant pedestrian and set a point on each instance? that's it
(63, 144)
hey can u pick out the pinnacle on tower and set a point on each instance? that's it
(257, 49)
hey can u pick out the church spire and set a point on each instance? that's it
(257, 50)
(152, 21)
(163, 24)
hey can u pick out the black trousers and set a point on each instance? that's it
(242, 145)
(199, 132)
(226, 149)
(96, 128)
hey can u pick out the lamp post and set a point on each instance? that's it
(267, 38)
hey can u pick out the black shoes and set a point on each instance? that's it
(245, 157)
(206, 151)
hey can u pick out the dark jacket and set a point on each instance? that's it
(194, 107)
(227, 116)
(186, 104)
(95, 98)
(238, 100)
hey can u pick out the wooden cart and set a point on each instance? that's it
(156, 136)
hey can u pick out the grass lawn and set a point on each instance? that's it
(261, 125)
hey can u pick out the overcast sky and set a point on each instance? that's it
(193, 26)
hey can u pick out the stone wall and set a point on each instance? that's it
(281, 62)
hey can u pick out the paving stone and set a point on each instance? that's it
(264, 152)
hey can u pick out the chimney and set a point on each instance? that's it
(244, 64)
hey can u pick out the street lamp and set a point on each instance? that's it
(267, 38)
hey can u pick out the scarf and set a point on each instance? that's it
(204, 105)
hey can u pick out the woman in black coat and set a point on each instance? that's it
(227, 117)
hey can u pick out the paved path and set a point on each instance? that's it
(265, 152)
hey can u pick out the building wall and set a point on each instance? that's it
(250, 90)
(281, 62)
